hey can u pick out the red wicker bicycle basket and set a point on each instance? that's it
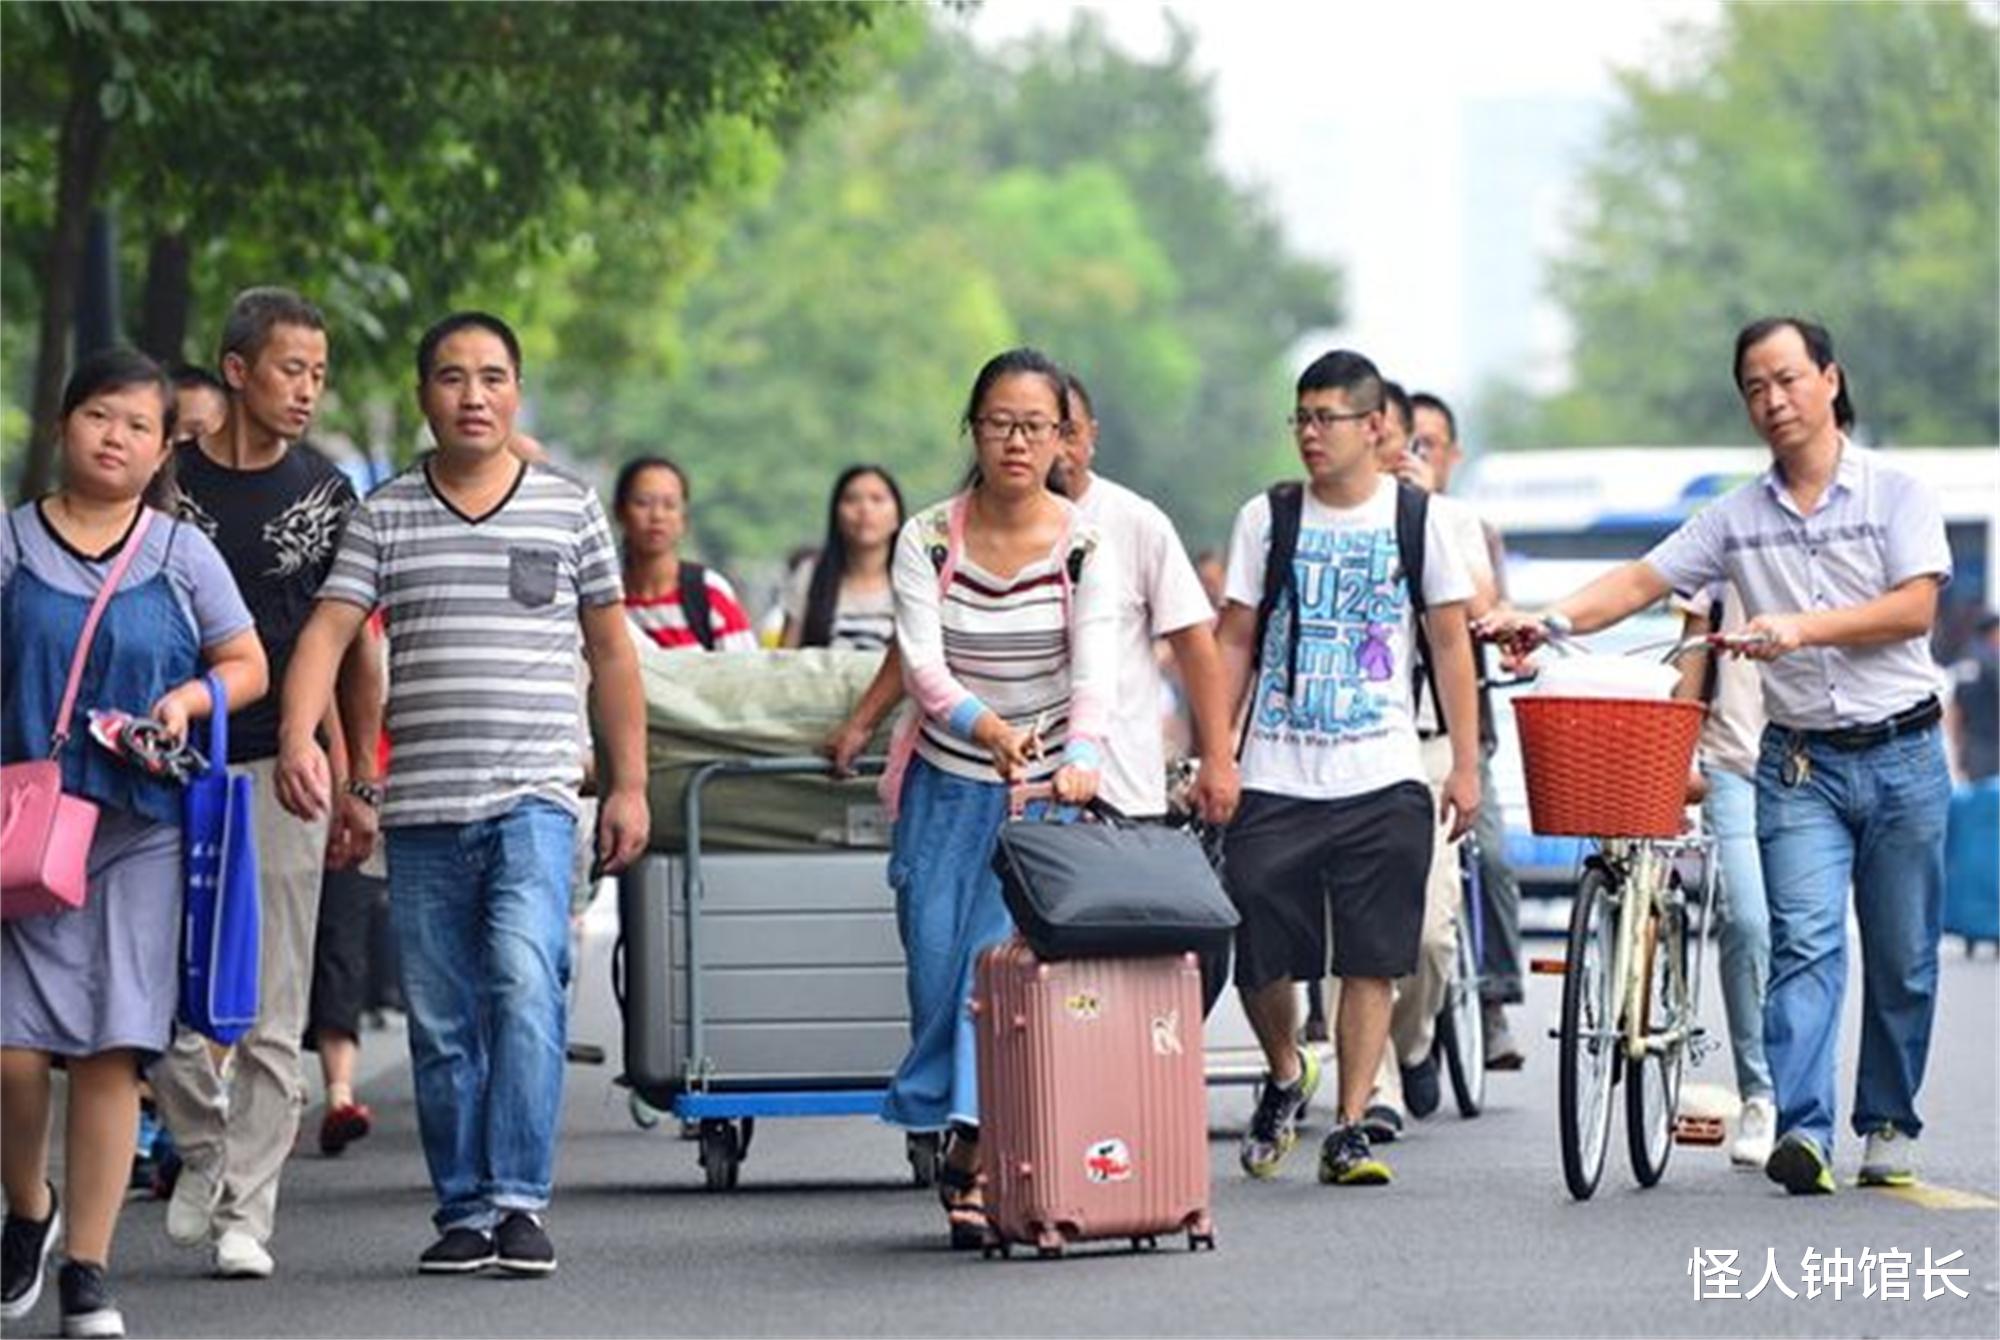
(1607, 767)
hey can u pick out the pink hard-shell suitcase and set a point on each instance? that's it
(1094, 1111)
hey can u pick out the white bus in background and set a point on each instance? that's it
(1567, 515)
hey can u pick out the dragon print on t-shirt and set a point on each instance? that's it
(277, 528)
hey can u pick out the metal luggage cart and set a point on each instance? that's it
(757, 985)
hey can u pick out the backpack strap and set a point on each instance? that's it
(947, 542)
(1413, 507)
(1287, 503)
(694, 604)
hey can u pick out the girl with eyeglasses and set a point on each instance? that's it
(1005, 610)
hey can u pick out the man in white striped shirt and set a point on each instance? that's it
(484, 565)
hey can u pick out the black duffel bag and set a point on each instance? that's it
(1104, 886)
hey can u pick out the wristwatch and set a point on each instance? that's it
(368, 793)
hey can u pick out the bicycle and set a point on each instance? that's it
(1460, 1040)
(1615, 771)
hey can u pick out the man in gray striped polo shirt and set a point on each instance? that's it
(1839, 556)
(484, 566)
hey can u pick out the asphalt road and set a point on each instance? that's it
(825, 1236)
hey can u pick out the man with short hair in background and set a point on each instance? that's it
(274, 506)
(1435, 442)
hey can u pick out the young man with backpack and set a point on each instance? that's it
(1325, 585)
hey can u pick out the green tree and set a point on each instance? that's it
(1057, 192)
(1838, 161)
(398, 158)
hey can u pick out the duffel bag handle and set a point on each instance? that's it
(1023, 794)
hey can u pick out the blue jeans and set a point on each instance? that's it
(948, 910)
(1731, 811)
(481, 913)
(1872, 818)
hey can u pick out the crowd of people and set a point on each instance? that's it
(413, 668)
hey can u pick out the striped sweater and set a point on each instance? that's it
(1031, 647)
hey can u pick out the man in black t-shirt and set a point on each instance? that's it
(274, 506)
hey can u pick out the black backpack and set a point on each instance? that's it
(1287, 501)
(694, 603)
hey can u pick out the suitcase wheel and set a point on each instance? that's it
(721, 1153)
(644, 1115)
(1049, 1253)
(1145, 1242)
(999, 1247)
(1198, 1241)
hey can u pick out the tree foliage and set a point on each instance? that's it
(1838, 161)
(394, 159)
(1058, 192)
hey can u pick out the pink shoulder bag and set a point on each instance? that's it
(45, 844)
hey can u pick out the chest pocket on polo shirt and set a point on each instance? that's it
(531, 576)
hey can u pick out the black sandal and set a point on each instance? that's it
(964, 1202)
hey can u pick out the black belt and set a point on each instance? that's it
(1921, 717)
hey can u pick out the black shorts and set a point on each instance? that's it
(1291, 864)
(341, 958)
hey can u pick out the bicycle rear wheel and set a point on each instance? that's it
(1587, 1050)
(1653, 1087)
(1461, 1031)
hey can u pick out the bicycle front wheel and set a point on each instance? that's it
(1653, 1087)
(1587, 1059)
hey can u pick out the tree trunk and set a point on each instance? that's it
(79, 165)
(163, 322)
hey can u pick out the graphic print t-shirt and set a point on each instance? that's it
(276, 528)
(1346, 728)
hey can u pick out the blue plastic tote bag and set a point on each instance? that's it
(219, 928)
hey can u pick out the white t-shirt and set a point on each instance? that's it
(1346, 730)
(1158, 593)
(863, 621)
(1468, 539)
(1733, 733)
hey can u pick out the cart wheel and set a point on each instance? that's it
(721, 1156)
(925, 1150)
(644, 1115)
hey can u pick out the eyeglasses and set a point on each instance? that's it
(1322, 419)
(1032, 431)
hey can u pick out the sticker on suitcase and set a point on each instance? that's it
(1108, 1161)
(1083, 1005)
(1167, 1034)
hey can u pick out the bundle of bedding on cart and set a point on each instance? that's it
(756, 704)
